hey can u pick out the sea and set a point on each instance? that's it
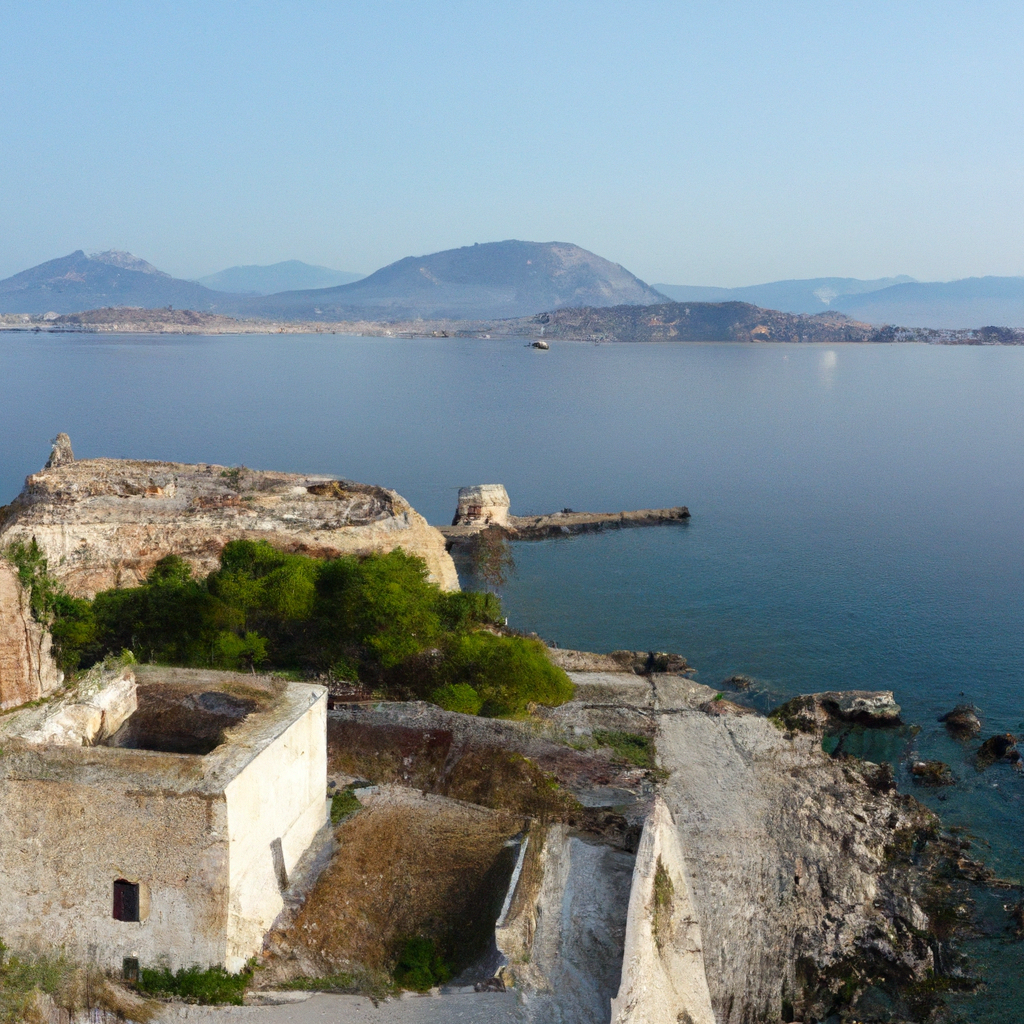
(857, 511)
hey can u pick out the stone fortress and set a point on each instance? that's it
(158, 815)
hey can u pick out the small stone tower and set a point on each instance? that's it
(483, 505)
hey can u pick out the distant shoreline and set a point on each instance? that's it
(681, 322)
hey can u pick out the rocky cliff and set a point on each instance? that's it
(27, 671)
(106, 522)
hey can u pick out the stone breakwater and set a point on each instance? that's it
(105, 523)
(486, 506)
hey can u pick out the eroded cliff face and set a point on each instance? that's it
(794, 859)
(106, 522)
(27, 670)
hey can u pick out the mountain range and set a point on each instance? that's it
(288, 275)
(812, 295)
(493, 280)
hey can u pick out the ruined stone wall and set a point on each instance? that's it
(663, 978)
(27, 670)
(105, 523)
(73, 830)
(280, 795)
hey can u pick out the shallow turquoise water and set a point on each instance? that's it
(857, 511)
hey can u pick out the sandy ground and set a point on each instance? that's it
(327, 1009)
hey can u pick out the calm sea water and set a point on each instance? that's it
(857, 511)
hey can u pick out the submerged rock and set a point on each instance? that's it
(932, 773)
(738, 682)
(998, 748)
(962, 722)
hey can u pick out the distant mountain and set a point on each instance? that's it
(813, 295)
(970, 302)
(78, 282)
(491, 280)
(277, 277)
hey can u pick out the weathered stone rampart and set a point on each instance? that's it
(105, 523)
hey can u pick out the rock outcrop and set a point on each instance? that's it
(962, 722)
(106, 522)
(27, 670)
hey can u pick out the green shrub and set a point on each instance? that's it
(343, 803)
(377, 619)
(210, 986)
(507, 672)
(420, 966)
(459, 697)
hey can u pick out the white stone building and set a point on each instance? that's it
(159, 821)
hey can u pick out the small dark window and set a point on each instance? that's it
(126, 901)
(130, 968)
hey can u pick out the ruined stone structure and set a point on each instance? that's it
(483, 505)
(158, 820)
(487, 505)
(27, 671)
(106, 522)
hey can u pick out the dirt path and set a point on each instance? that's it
(485, 1008)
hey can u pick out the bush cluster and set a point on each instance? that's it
(208, 987)
(421, 966)
(376, 619)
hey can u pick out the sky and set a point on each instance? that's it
(721, 143)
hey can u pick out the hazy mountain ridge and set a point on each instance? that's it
(288, 275)
(809, 295)
(78, 282)
(492, 281)
(489, 280)
(969, 302)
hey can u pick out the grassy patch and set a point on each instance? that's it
(343, 804)
(664, 893)
(424, 872)
(208, 987)
(796, 715)
(630, 747)
(342, 982)
(32, 984)
(507, 781)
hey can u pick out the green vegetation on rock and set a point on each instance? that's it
(420, 966)
(343, 803)
(376, 619)
(210, 986)
(631, 747)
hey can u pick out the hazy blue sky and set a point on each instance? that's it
(699, 143)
